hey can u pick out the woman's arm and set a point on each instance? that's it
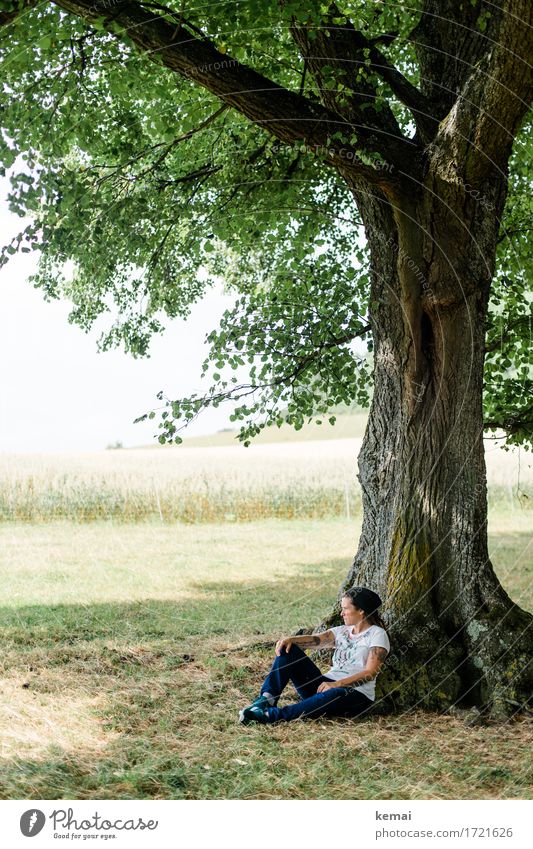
(306, 641)
(375, 660)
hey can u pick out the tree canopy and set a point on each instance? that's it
(143, 185)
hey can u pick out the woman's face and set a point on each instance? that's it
(350, 614)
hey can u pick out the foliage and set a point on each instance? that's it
(508, 369)
(140, 191)
(291, 332)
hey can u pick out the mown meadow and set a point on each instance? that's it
(129, 643)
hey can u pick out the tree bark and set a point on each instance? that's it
(456, 635)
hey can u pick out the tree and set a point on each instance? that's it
(260, 138)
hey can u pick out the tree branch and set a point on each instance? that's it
(185, 137)
(407, 93)
(513, 423)
(478, 133)
(449, 39)
(341, 45)
(287, 115)
(204, 171)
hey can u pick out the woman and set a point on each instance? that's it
(348, 687)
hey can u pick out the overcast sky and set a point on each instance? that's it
(59, 394)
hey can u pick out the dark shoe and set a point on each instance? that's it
(264, 701)
(254, 713)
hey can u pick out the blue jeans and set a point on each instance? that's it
(295, 666)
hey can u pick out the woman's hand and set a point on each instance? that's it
(283, 643)
(326, 685)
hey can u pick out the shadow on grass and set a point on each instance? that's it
(156, 696)
(160, 681)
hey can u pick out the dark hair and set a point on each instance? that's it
(376, 619)
(373, 617)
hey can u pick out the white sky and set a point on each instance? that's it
(59, 394)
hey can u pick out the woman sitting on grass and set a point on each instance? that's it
(348, 688)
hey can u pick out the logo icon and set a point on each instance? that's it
(32, 822)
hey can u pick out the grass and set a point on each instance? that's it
(127, 651)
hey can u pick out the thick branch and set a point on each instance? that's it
(352, 95)
(508, 89)
(449, 39)
(342, 46)
(408, 94)
(478, 133)
(287, 115)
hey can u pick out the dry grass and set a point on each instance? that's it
(127, 651)
(164, 730)
(35, 720)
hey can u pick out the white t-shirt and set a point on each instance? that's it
(351, 654)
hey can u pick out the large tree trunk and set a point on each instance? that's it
(456, 635)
